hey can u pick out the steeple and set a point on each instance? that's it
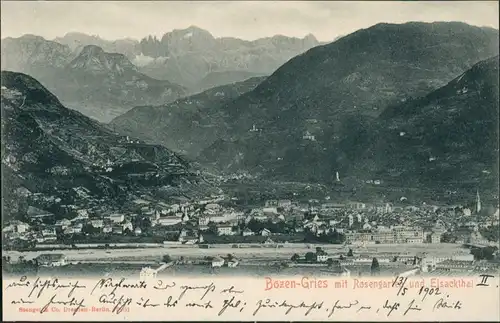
(478, 202)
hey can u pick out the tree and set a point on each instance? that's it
(310, 257)
(375, 268)
(166, 258)
(295, 257)
(230, 257)
(318, 250)
(349, 253)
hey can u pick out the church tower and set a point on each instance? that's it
(478, 202)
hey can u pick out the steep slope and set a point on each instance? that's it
(99, 84)
(215, 79)
(187, 125)
(310, 105)
(54, 151)
(448, 138)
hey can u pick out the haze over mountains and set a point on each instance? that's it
(54, 151)
(393, 102)
(101, 85)
(110, 77)
(186, 56)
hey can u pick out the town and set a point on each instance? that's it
(216, 220)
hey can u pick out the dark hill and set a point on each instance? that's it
(332, 89)
(187, 125)
(448, 138)
(51, 150)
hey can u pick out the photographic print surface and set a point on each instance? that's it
(245, 160)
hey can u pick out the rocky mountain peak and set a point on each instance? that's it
(94, 58)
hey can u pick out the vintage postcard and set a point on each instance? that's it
(250, 161)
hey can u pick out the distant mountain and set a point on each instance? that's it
(188, 125)
(308, 109)
(77, 41)
(446, 138)
(54, 151)
(33, 54)
(99, 84)
(187, 56)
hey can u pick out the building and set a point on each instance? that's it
(98, 223)
(478, 203)
(116, 217)
(357, 205)
(127, 225)
(383, 208)
(48, 231)
(270, 210)
(308, 136)
(52, 260)
(332, 206)
(271, 203)
(286, 204)
(455, 265)
(435, 237)
(265, 232)
(82, 214)
(169, 220)
(224, 229)
(321, 256)
(63, 224)
(248, 232)
(217, 262)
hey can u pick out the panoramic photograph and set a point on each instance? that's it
(205, 139)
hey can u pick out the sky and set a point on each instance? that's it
(242, 19)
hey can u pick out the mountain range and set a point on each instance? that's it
(57, 153)
(448, 137)
(411, 105)
(341, 108)
(99, 84)
(104, 79)
(312, 108)
(187, 56)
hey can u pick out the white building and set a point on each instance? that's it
(116, 217)
(248, 232)
(224, 229)
(217, 262)
(97, 223)
(169, 220)
(52, 260)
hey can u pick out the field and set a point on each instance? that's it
(263, 253)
